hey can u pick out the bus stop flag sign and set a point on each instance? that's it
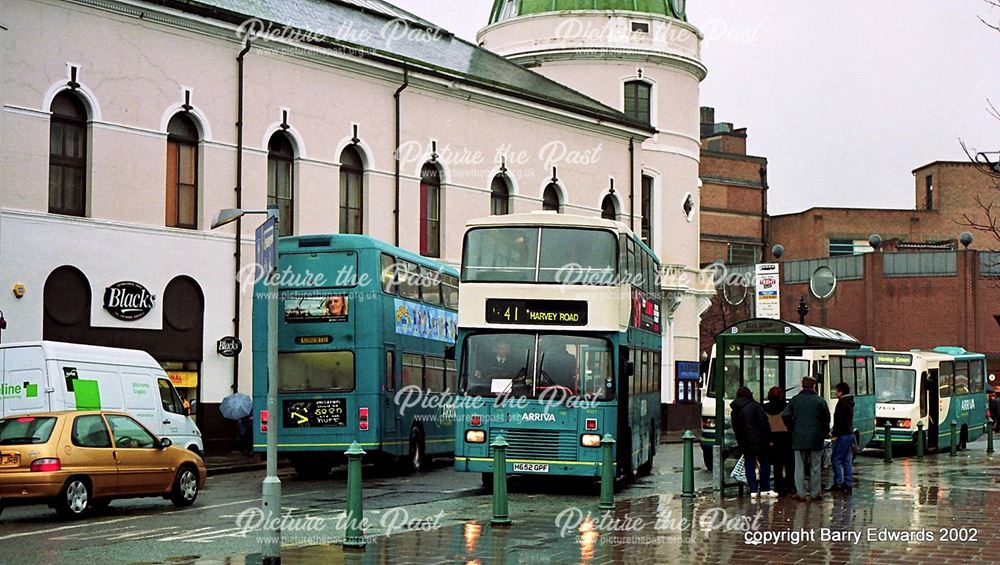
(266, 245)
(768, 296)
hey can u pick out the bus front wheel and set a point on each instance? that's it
(417, 457)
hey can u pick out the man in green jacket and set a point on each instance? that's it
(808, 418)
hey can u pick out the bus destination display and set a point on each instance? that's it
(322, 413)
(536, 312)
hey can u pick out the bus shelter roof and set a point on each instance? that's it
(780, 334)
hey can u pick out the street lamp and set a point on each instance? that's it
(267, 257)
(803, 309)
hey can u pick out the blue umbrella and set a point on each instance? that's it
(236, 406)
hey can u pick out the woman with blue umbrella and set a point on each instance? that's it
(239, 407)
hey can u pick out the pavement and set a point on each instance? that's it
(929, 510)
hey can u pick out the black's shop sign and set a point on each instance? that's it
(128, 301)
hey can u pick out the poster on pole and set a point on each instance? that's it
(768, 297)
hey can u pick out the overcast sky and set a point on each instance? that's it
(844, 99)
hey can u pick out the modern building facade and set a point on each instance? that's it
(127, 124)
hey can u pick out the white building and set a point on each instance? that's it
(121, 135)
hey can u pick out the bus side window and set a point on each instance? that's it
(961, 377)
(430, 286)
(861, 371)
(434, 374)
(449, 375)
(449, 291)
(390, 370)
(390, 280)
(409, 280)
(976, 376)
(945, 377)
(632, 269)
(656, 372)
(922, 391)
(413, 371)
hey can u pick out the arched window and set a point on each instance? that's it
(637, 100)
(550, 198)
(499, 196)
(609, 210)
(182, 173)
(68, 156)
(352, 192)
(280, 182)
(430, 210)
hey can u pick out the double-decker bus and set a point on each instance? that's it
(559, 344)
(758, 368)
(933, 388)
(359, 320)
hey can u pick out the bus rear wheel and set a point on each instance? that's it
(416, 460)
(312, 468)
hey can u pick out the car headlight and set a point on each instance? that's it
(475, 436)
(590, 440)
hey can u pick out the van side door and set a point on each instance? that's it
(142, 400)
(24, 384)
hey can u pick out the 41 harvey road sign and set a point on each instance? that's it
(767, 291)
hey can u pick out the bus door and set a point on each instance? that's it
(390, 412)
(627, 362)
(931, 396)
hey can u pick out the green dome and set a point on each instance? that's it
(506, 9)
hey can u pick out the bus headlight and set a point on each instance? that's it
(475, 436)
(906, 423)
(590, 440)
(708, 423)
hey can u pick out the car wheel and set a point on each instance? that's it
(185, 490)
(416, 461)
(74, 498)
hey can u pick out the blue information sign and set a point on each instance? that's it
(266, 245)
(688, 370)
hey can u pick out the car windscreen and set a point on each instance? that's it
(26, 430)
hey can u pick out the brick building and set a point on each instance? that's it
(944, 192)
(733, 195)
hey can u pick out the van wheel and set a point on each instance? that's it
(185, 490)
(416, 461)
(74, 498)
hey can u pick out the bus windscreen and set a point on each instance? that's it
(895, 386)
(565, 255)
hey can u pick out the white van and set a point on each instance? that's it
(49, 376)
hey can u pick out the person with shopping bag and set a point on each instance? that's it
(753, 438)
(780, 449)
(808, 418)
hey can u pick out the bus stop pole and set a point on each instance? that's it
(722, 344)
(271, 488)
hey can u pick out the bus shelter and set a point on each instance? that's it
(754, 351)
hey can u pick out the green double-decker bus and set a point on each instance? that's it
(559, 345)
(930, 389)
(365, 352)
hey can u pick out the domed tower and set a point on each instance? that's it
(643, 58)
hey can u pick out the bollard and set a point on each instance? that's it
(887, 430)
(954, 438)
(501, 516)
(989, 435)
(687, 490)
(920, 439)
(354, 535)
(607, 473)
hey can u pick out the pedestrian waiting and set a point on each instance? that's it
(780, 449)
(808, 419)
(752, 436)
(843, 440)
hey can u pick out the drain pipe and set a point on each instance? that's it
(395, 211)
(239, 204)
(631, 184)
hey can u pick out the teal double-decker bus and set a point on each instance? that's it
(365, 352)
(930, 389)
(559, 344)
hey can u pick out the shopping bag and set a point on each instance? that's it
(740, 471)
(827, 454)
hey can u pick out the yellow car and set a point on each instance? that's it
(76, 461)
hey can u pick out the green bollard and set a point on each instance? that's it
(354, 535)
(989, 435)
(920, 439)
(954, 440)
(607, 473)
(887, 430)
(687, 490)
(501, 515)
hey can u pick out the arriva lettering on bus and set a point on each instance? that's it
(534, 417)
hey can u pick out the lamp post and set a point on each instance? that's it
(803, 309)
(267, 257)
